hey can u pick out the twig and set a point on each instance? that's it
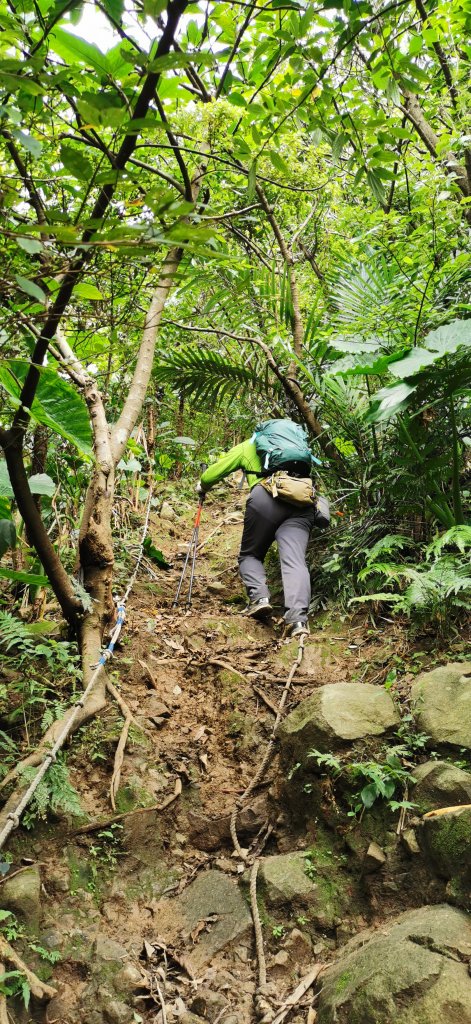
(39, 988)
(126, 814)
(162, 1003)
(26, 867)
(298, 993)
(118, 761)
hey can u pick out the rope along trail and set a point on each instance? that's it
(14, 817)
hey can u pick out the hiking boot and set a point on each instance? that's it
(297, 629)
(260, 609)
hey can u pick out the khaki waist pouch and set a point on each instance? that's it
(295, 490)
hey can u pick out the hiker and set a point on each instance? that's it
(281, 506)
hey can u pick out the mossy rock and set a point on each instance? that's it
(445, 841)
(440, 784)
(412, 971)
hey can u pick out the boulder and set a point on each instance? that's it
(301, 881)
(209, 915)
(336, 715)
(443, 701)
(446, 841)
(439, 784)
(22, 895)
(412, 971)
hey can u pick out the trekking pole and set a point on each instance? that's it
(192, 550)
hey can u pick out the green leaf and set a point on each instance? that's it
(41, 483)
(57, 405)
(278, 162)
(30, 245)
(5, 508)
(30, 288)
(6, 490)
(32, 145)
(449, 338)
(415, 361)
(76, 163)
(369, 794)
(155, 554)
(387, 402)
(72, 49)
(87, 291)
(24, 577)
(7, 535)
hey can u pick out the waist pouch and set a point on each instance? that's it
(295, 490)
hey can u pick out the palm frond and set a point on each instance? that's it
(211, 377)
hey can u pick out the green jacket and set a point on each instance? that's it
(243, 456)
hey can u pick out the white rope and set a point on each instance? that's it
(14, 817)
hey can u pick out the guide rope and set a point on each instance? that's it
(14, 817)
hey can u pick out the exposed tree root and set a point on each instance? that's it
(39, 988)
(118, 761)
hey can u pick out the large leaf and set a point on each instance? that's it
(7, 535)
(449, 338)
(6, 490)
(41, 483)
(57, 405)
(387, 402)
(74, 50)
(24, 577)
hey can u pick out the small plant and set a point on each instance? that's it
(278, 931)
(371, 780)
(104, 854)
(55, 792)
(14, 983)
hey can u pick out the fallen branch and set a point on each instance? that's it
(118, 761)
(39, 988)
(446, 810)
(266, 700)
(94, 826)
(229, 668)
(299, 992)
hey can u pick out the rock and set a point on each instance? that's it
(189, 1018)
(375, 858)
(22, 895)
(127, 980)
(446, 841)
(116, 1012)
(208, 1004)
(443, 701)
(294, 879)
(212, 908)
(281, 958)
(409, 972)
(299, 946)
(439, 784)
(334, 715)
(409, 840)
(167, 512)
(108, 949)
(210, 833)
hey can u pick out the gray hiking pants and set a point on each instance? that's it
(268, 519)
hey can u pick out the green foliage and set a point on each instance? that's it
(14, 634)
(209, 376)
(368, 781)
(14, 983)
(54, 793)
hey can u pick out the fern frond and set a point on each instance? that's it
(210, 377)
(459, 536)
(14, 633)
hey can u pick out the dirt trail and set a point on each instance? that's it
(158, 894)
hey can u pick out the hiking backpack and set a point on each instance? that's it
(282, 444)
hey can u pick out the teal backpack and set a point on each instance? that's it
(282, 444)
